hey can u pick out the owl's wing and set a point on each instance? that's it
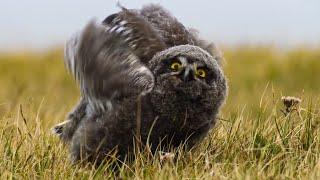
(138, 33)
(175, 33)
(104, 65)
(168, 27)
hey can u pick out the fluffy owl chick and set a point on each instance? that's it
(142, 75)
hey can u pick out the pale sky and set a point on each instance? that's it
(41, 24)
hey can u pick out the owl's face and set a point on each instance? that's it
(184, 75)
(189, 85)
(187, 71)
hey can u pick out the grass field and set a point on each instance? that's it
(253, 139)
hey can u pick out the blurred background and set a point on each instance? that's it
(270, 47)
(39, 24)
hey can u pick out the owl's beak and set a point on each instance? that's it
(187, 74)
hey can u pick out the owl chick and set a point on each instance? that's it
(144, 76)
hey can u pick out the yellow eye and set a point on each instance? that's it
(175, 66)
(201, 73)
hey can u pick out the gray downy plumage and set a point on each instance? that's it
(140, 59)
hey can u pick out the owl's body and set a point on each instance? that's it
(141, 73)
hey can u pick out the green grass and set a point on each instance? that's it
(253, 139)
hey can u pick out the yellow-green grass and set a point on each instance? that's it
(252, 140)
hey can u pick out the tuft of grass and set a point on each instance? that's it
(253, 139)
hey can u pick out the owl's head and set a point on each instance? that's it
(188, 71)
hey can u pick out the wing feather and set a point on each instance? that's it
(104, 65)
(137, 32)
(175, 33)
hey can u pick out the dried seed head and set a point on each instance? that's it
(290, 104)
(290, 101)
(166, 156)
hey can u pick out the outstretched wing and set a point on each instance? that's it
(138, 33)
(104, 65)
(173, 32)
(168, 27)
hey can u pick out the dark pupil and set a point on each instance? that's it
(175, 66)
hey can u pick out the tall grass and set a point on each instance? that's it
(253, 139)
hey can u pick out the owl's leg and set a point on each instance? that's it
(66, 129)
